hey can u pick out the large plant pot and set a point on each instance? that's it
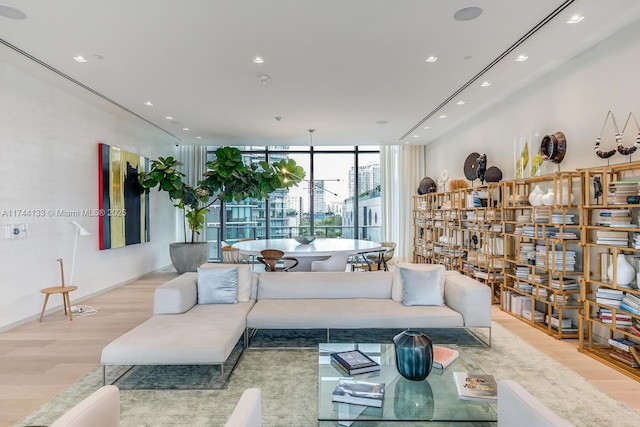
(189, 256)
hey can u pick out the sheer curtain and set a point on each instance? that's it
(401, 169)
(194, 159)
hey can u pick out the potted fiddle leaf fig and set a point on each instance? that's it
(227, 179)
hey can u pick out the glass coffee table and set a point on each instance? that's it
(433, 400)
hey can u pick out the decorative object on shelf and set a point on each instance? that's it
(624, 150)
(493, 174)
(523, 160)
(535, 197)
(457, 184)
(305, 240)
(624, 271)
(442, 181)
(427, 185)
(567, 198)
(481, 168)
(414, 355)
(536, 163)
(548, 199)
(597, 188)
(470, 166)
(553, 147)
(477, 203)
(607, 154)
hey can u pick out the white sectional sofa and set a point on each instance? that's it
(183, 332)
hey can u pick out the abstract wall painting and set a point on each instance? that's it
(124, 208)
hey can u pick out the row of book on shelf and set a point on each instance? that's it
(522, 305)
(625, 351)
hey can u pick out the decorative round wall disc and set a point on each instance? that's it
(470, 166)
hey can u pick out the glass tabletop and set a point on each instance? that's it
(434, 399)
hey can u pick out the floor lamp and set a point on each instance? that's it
(82, 232)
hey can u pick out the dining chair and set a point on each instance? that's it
(272, 257)
(377, 260)
(231, 255)
(336, 262)
(251, 259)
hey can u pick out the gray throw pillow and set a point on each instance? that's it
(218, 285)
(421, 287)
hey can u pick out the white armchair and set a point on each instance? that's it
(100, 409)
(517, 407)
(336, 262)
(248, 411)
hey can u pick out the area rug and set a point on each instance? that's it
(288, 381)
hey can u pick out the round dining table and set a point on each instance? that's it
(319, 249)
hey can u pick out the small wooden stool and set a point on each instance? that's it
(64, 290)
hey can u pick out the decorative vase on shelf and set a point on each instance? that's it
(414, 355)
(549, 198)
(567, 198)
(624, 271)
(535, 197)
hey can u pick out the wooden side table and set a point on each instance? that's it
(62, 289)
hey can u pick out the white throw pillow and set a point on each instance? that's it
(244, 278)
(397, 287)
(218, 285)
(421, 287)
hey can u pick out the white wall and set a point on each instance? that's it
(49, 135)
(574, 99)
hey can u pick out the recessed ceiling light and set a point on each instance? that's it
(258, 60)
(79, 58)
(442, 116)
(432, 59)
(467, 13)
(11, 13)
(148, 104)
(427, 127)
(382, 122)
(415, 136)
(198, 137)
(575, 19)
(185, 128)
(406, 142)
(486, 84)
(168, 117)
(461, 102)
(98, 57)
(522, 58)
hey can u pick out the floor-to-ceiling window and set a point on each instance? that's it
(339, 198)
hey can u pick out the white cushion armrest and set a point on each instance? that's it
(100, 409)
(468, 297)
(177, 295)
(248, 410)
(517, 407)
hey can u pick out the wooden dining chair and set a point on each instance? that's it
(231, 255)
(62, 289)
(272, 257)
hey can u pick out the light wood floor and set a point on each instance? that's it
(39, 360)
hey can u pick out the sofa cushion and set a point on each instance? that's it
(397, 290)
(324, 284)
(244, 278)
(421, 287)
(217, 285)
(348, 314)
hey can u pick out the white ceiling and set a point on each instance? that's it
(337, 66)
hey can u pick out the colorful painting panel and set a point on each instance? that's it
(124, 218)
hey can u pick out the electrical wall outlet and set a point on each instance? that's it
(16, 231)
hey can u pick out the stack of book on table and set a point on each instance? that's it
(478, 387)
(443, 356)
(359, 392)
(354, 362)
(622, 351)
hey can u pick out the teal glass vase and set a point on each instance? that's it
(414, 355)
